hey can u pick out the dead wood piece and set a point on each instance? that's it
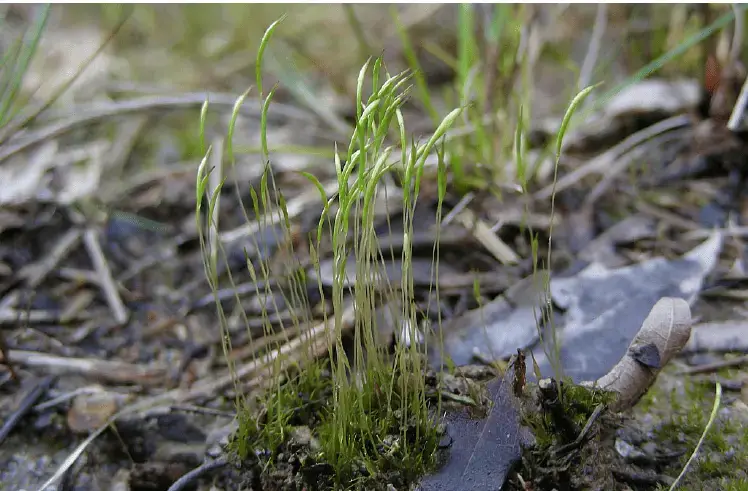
(294, 208)
(483, 234)
(33, 274)
(157, 474)
(17, 316)
(120, 150)
(91, 239)
(666, 329)
(713, 367)
(603, 162)
(195, 474)
(25, 406)
(111, 371)
(91, 114)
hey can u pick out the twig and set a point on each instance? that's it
(120, 150)
(717, 365)
(26, 404)
(602, 162)
(14, 316)
(464, 201)
(68, 463)
(593, 49)
(67, 396)
(736, 117)
(4, 350)
(78, 303)
(33, 274)
(483, 234)
(92, 114)
(187, 408)
(198, 472)
(670, 218)
(627, 159)
(17, 123)
(111, 371)
(737, 35)
(248, 288)
(91, 239)
(294, 208)
(207, 387)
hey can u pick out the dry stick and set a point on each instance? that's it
(78, 304)
(483, 234)
(295, 207)
(593, 49)
(717, 365)
(10, 316)
(739, 232)
(26, 405)
(18, 123)
(670, 218)
(33, 274)
(584, 434)
(464, 201)
(120, 150)
(91, 240)
(736, 117)
(112, 371)
(737, 35)
(625, 160)
(84, 116)
(68, 396)
(602, 162)
(196, 473)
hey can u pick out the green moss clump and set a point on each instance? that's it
(290, 436)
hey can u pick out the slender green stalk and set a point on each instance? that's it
(712, 418)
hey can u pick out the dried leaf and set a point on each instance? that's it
(666, 328)
(482, 451)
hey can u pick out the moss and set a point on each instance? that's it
(556, 423)
(386, 447)
(720, 463)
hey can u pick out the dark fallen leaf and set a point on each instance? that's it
(483, 451)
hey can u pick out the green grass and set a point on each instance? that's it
(373, 400)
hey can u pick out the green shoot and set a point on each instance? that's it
(371, 395)
(712, 418)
